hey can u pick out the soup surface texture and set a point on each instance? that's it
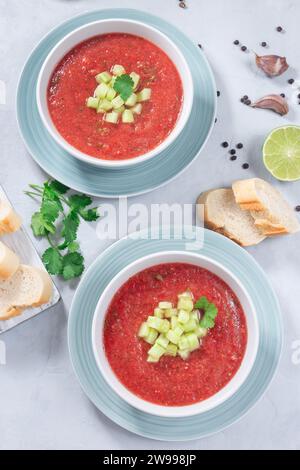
(173, 381)
(73, 81)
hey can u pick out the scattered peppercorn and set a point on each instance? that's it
(291, 81)
(216, 120)
(224, 144)
(245, 97)
(243, 48)
(182, 5)
(297, 208)
(233, 157)
(263, 44)
(239, 145)
(236, 42)
(232, 151)
(298, 96)
(218, 93)
(248, 102)
(282, 95)
(245, 166)
(200, 46)
(279, 29)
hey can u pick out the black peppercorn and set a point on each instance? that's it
(248, 102)
(218, 93)
(282, 95)
(279, 29)
(233, 157)
(225, 144)
(263, 44)
(232, 151)
(236, 42)
(245, 166)
(239, 145)
(243, 48)
(291, 81)
(297, 208)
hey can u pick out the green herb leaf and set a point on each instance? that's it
(79, 201)
(89, 215)
(73, 265)
(53, 261)
(210, 312)
(124, 86)
(58, 187)
(73, 246)
(38, 225)
(70, 227)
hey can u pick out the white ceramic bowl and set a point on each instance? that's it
(114, 26)
(171, 257)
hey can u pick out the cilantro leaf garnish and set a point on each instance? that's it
(124, 86)
(210, 312)
(60, 226)
(53, 260)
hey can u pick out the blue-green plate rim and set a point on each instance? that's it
(145, 17)
(224, 246)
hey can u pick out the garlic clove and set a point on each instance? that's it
(273, 102)
(272, 65)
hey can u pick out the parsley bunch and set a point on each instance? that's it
(58, 220)
(210, 312)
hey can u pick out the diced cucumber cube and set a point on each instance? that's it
(170, 312)
(152, 359)
(101, 90)
(171, 350)
(183, 343)
(118, 69)
(117, 102)
(158, 313)
(92, 102)
(103, 77)
(151, 337)
(127, 116)
(185, 303)
(158, 324)
(195, 315)
(174, 322)
(191, 325)
(137, 109)
(174, 335)
(201, 332)
(165, 305)
(136, 78)
(144, 94)
(131, 101)
(184, 354)
(111, 94)
(105, 104)
(156, 351)
(162, 340)
(187, 294)
(144, 330)
(112, 82)
(193, 342)
(112, 117)
(183, 316)
(119, 110)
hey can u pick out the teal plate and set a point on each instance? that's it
(122, 182)
(96, 278)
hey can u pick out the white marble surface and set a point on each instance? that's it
(42, 405)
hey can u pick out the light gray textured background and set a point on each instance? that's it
(42, 405)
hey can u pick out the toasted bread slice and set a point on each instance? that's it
(9, 262)
(9, 220)
(271, 213)
(222, 214)
(28, 287)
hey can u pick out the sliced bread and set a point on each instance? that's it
(9, 220)
(28, 287)
(222, 214)
(271, 213)
(9, 262)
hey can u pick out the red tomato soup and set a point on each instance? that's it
(173, 381)
(73, 81)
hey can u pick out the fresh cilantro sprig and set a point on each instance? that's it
(124, 86)
(58, 220)
(210, 312)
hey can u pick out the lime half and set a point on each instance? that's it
(281, 153)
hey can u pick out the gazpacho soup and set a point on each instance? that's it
(175, 334)
(115, 96)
